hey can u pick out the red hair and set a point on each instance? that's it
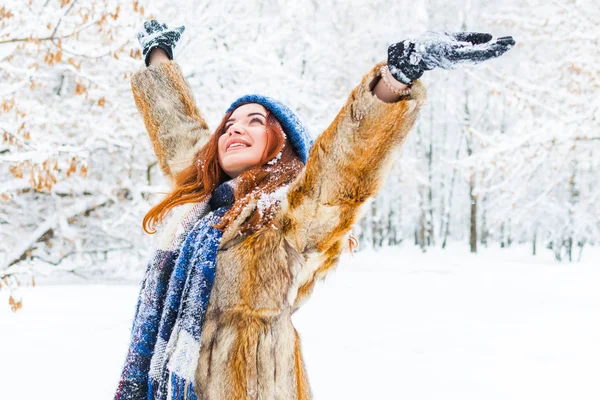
(198, 181)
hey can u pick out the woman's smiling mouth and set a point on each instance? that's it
(236, 144)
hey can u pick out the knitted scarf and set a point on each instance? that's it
(165, 337)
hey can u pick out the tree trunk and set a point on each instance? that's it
(484, 227)
(473, 230)
(534, 241)
(580, 244)
(375, 230)
(472, 196)
(421, 229)
(430, 230)
(446, 217)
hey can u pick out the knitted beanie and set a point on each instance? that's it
(294, 129)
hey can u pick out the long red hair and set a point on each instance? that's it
(197, 182)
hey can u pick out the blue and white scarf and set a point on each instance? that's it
(165, 338)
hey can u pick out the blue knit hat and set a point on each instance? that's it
(292, 126)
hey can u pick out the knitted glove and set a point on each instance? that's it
(407, 60)
(154, 35)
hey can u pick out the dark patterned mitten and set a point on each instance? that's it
(156, 35)
(407, 60)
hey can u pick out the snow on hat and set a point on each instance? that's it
(292, 126)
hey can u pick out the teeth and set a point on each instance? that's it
(238, 145)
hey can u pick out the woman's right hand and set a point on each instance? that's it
(156, 35)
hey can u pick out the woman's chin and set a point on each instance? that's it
(242, 153)
(240, 165)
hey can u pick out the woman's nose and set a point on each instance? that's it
(236, 128)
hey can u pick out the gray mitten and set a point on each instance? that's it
(407, 60)
(154, 35)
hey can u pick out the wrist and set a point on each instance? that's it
(157, 55)
(395, 86)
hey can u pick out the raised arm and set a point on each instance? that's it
(165, 101)
(350, 161)
(347, 165)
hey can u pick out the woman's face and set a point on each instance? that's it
(243, 144)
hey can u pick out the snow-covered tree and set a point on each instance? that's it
(71, 145)
(506, 151)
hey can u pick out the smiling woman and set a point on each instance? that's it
(245, 141)
(249, 155)
(256, 217)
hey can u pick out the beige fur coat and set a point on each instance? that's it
(250, 349)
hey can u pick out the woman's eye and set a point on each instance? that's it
(251, 121)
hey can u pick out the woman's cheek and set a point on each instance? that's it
(221, 147)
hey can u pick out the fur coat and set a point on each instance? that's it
(250, 348)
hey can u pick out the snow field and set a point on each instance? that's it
(393, 324)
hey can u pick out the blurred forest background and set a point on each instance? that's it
(506, 152)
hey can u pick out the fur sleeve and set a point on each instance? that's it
(347, 165)
(176, 128)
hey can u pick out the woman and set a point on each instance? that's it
(255, 218)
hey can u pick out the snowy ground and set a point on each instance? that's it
(389, 325)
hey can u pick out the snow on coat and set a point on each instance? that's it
(250, 348)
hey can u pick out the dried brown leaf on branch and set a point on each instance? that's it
(80, 88)
(15, 305)
(72, 167)
(115, 15)
(16, 170)
(8, 105)
(5, 14)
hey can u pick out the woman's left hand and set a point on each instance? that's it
(407, 60)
